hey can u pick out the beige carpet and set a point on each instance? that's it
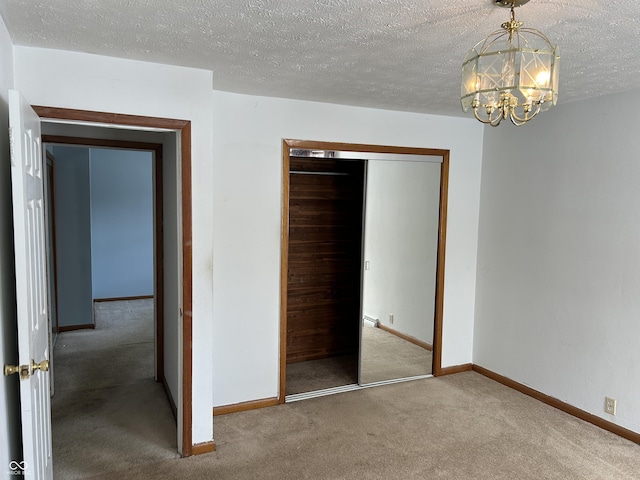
(108, 412)
(384, 357)
(462, 426)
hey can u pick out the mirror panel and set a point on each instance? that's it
(399, 280)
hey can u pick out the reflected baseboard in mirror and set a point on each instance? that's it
(386, 356)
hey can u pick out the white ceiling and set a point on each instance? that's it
(390, 54)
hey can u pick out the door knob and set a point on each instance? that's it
(43, 366)
(23, 370)
(11, 369)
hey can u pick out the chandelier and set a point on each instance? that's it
(513, 73)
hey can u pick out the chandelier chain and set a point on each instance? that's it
(512, 25)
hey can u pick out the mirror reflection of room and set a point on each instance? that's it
(363, 240)
(400, 254)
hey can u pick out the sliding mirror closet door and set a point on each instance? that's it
(362, 255)
(399, 279)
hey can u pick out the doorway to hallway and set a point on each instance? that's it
(109, 338)
(173, 235)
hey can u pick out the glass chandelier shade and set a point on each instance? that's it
(513, 73)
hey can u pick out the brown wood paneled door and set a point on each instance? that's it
(325, 257)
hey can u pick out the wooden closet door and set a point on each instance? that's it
(325, 257)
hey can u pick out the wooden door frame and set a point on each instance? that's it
(287, 145)
(50, 179)
(183, 129)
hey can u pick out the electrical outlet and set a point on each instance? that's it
(391, 318)
(610, 405)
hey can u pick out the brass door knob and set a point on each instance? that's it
(23, 370)
(11, 369)
(43, 366)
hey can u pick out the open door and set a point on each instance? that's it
(27, 177)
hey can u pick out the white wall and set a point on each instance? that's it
(247, 193)
(121, 222)
(73, 234)
(172, 275)
(9, 396)
(401, 245)
(558, 303)
(92, 82)
(242, 181)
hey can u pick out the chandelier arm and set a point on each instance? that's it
(494, 121)
(518, 121)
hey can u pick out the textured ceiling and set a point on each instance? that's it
(391, 54)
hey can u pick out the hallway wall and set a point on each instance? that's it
(73, 235)
(121, 222)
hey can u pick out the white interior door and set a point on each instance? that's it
(27, 179)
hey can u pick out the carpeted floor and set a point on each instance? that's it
(107, 411)
(384, 357)
(461, 426)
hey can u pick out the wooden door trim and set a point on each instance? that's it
(51, 177)
(183, 128)
(284, 268)
(287, 144)
(440, 264)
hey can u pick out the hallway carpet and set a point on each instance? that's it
(108, 413)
